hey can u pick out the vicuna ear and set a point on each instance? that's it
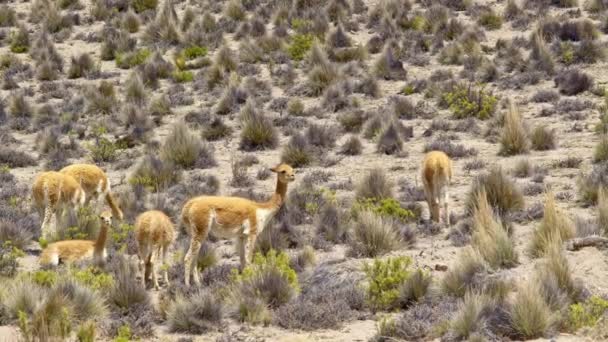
(274, 169)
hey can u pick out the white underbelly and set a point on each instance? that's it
(225, 232)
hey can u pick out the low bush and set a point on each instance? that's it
(299, 46)
(258, 131)
(490, 20)
(590, 183)
(385, 279)
(197, 314)
(586, 314)
(514, 139)
(352, 146)
(182, 148)
(132, 59)
(543, 139)
(466, 274)
(600, 154)
(572, 81)
(297, 152)
(374, 185)
(144, 5)
(503, 194)
(530, 315)
(466, 101)
(389, 208)
(155, 174)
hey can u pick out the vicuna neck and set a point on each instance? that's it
(100, 243)
(278, 198)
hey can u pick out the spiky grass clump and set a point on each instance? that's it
(469, 319)
(555, 227)
(297, 152)
(82, 66)
(372, 236)
(543, 139)
(602, 207)
(529, 314)
(374, 185)
(216, 130)
(502, 193)
(258, 131)
(197, 314)
(330, 224)
(352, 146)
(155, 174)
(490, 237)
(183, 148)
(14, 235)
(465, 274)
(135, 91)
(600, 153)
(590, 183)
(127, 291)
(514, 138)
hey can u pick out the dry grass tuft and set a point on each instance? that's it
(503, 194)
(529, 314)
(373, 236)
(514, 138)
(466, 274)
(258, 132)
(555, 227)
(374, 185)
(490, 237)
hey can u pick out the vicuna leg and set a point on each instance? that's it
(165, 265)
(240, 249)
(189, 266)
(143, 253)
(446, 198)
(46, 222)
(153, 258)
(431, 201)
(250, 247)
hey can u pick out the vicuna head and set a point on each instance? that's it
(284, 172)
(106, 218)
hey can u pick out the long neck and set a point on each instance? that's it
(278, 198)
(100, 244)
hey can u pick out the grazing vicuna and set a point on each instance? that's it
(436, 177)
(231, 217)
(70, 251)
(52, 192)
(154, 233)
(95, 183)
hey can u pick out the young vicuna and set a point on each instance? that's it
(436, 177)
(52, 192)
(70, 251)
(155, 233)
(231, 217)
(94, 182)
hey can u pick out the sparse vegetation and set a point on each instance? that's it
(467, 100)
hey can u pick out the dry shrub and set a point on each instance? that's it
(490, 237)
(352, 146)
(297, 152)
(374, 185)
(372, 236)
(503, 194)
(543, 139)
(514, 138)
(390, 141)
(183, 148)
(590, 183)
(573, 81)
(555, 227)
(331, 224)
(467, 274)
(258, 131)
(197, 314)
(602, 207)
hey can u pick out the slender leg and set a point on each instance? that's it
(240, 246)
(435, 211)
(44, 229)
(446, 210)
(251, 247)
(189, 268)
(142, 254)
(154, 257)
(165, 265)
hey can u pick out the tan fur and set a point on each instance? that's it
(436, 177)
(155, 233)
(231, 217)
(53, 191)
(70, 251)
(95, 183)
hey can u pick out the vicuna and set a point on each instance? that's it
(436, 177)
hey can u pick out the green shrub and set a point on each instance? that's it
(104, 150)
(469, 101)
(8, 259)
(587, 314)
(120, 235)
(490, 21)
(299, 46)
(86, 332)
(45, 278)
(385, 278)
(386, 207)
(20, 40)
(272, 260)
(144, 5)
(194, 51)
(183, 76)
(124, 334)
(132, 59)
(93, 278)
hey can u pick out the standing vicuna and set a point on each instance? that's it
(436, 177)
(70, 251)
(154, 233)
(231, 217)
(52, 192)
(94, 182)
